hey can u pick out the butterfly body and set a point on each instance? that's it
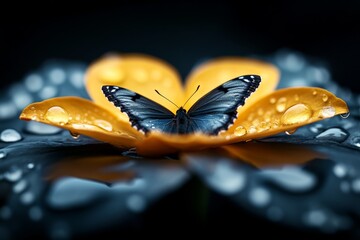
(213, 112)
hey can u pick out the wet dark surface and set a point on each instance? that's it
(303, 186)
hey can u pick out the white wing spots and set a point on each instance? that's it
(241, 77)
(252, 77)
(246, 80)
(113, 90)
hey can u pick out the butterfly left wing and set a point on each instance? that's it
(216, 110)
(144, 114)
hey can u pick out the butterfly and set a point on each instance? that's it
(213, 112)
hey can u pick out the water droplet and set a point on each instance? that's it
(272, 100)
(259, 197)
(315, 218)
(333, 134)
(48, 92)
(35, 213)
(316, 128)
(27, 198)
(7, 110)
(296, 97)
(103, 124)
(13, 175)
(252, 129)
(260, 111)
(292, 179)
(74, 135)
(57, 115)
(10, 135)
(57, 76)
(30, 165)
(298, 113)
(64, 193)
(314, 93)
(290, 131)
(226, 179)
(355, 185)
(345, 115)
(327, 112)
(136, 203)
(34, 82)
(77, 79)
(275, 213)
(340, 170)
(240, 131)
(2, 154)
(325, 97)
(21, 99)
(356, 141)
(281, 104)
(20, 186)
(41, 128)
(5, 212)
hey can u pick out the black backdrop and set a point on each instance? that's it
(181, 32)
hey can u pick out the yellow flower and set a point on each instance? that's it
(266, 112)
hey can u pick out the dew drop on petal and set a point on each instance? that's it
(333, 134)
(314, 93)
(20, 186)
(291, 131)
(240, 131)
(57, 115)
(10, 135)
(252, 129)
(13, 175)
(356, 141)
(327, 112)
(281, 104)
(103, 124)
(272, 100)
(325, 98)
(340, 170)
(345, 115)
(298, 113)
(2, 154)
(74, 135)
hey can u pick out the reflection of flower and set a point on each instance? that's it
(266, 112)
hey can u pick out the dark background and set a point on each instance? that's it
(182, 32)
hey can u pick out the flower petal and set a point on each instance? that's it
(215, 72)
(139, 73)
(286, 110)
(272, 154)
(81, 116)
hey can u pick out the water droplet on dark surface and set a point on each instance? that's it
(13, 174)
(333, 134)
(2, 154)
(345, 115)
(259, 197)
(291, 179)
(356, 141)
(10, 135)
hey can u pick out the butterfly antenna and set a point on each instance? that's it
(191, 95)
(166, 98)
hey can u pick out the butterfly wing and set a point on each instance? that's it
(144, 114)
(218, 109)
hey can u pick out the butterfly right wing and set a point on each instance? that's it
(144, 114)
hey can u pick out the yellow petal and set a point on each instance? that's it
(286, 110)
(272, 154)
(139, 73)
(215, 72)
(81, 116)
(157, 144)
